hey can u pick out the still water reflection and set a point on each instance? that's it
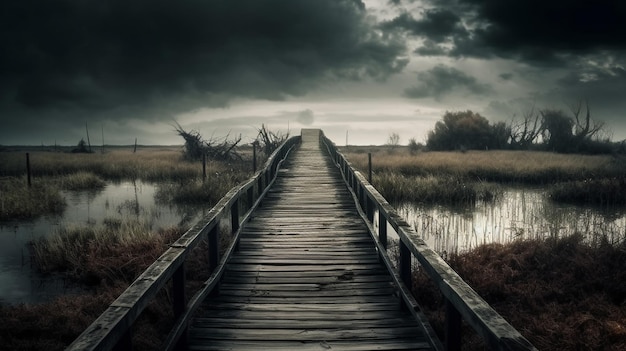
(20, 283)
(520, 213)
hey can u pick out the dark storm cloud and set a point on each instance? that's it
(436, 25)
(540, 32)
(149, 59)
(443, 80)
(539, 29)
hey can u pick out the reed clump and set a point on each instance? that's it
(81, 181)
(431, 189)
(600, 192)
(91, 255)
(199, 191)
(107, 259)
(560, 293)
(53, 325)
(19, 201)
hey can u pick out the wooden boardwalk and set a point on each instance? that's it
(307, 275)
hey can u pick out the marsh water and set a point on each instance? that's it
(19, 282)
(521, 213)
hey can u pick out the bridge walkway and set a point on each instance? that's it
(307, 275)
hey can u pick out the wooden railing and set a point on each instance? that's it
(461, 301)
(112, 329)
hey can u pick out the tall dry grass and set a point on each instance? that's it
(113, 251)
(150, 164)
(528, 167)
(560, 293)
(18, 201)
(108, 258)
(432, 189)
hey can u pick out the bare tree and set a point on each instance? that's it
(584, 127)
(526, 132)
(216, 149)
(393, 140)
(269, 140)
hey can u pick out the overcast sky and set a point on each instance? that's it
(130, 68)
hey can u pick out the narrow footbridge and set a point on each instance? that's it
(307, 268)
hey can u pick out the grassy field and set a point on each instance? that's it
(182, 181)
(104, 259)
(562, 294)
(445, 177)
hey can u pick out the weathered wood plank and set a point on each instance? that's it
(396, 344)
(307, 275)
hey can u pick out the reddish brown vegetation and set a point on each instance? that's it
(559, 293)
(54, 325)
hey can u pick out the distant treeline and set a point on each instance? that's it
(548, 130)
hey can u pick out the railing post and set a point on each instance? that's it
(453, 328)
(250, 193)
(234, 220)
(370, 209)
(126, 342)
(260, 188)
(214, 254)
(405, 265)
(382, 229)
(179, 303)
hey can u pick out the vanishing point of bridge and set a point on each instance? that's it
(306, 271)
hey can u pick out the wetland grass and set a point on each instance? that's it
(113, 251)
(598, 192)
(432, 189)
(81, 181)
(526, 167)
(107, 259)
(560, 293)
(19, 201)
(149, 164)
(453, 177)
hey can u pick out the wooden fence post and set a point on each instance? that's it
(28, 175)
(254, 157)
(369, 167)
(203, 167)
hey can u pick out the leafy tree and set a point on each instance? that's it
(557, 130)
(500, 133)
(81, 148)
(414, 146)
(463, 130)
